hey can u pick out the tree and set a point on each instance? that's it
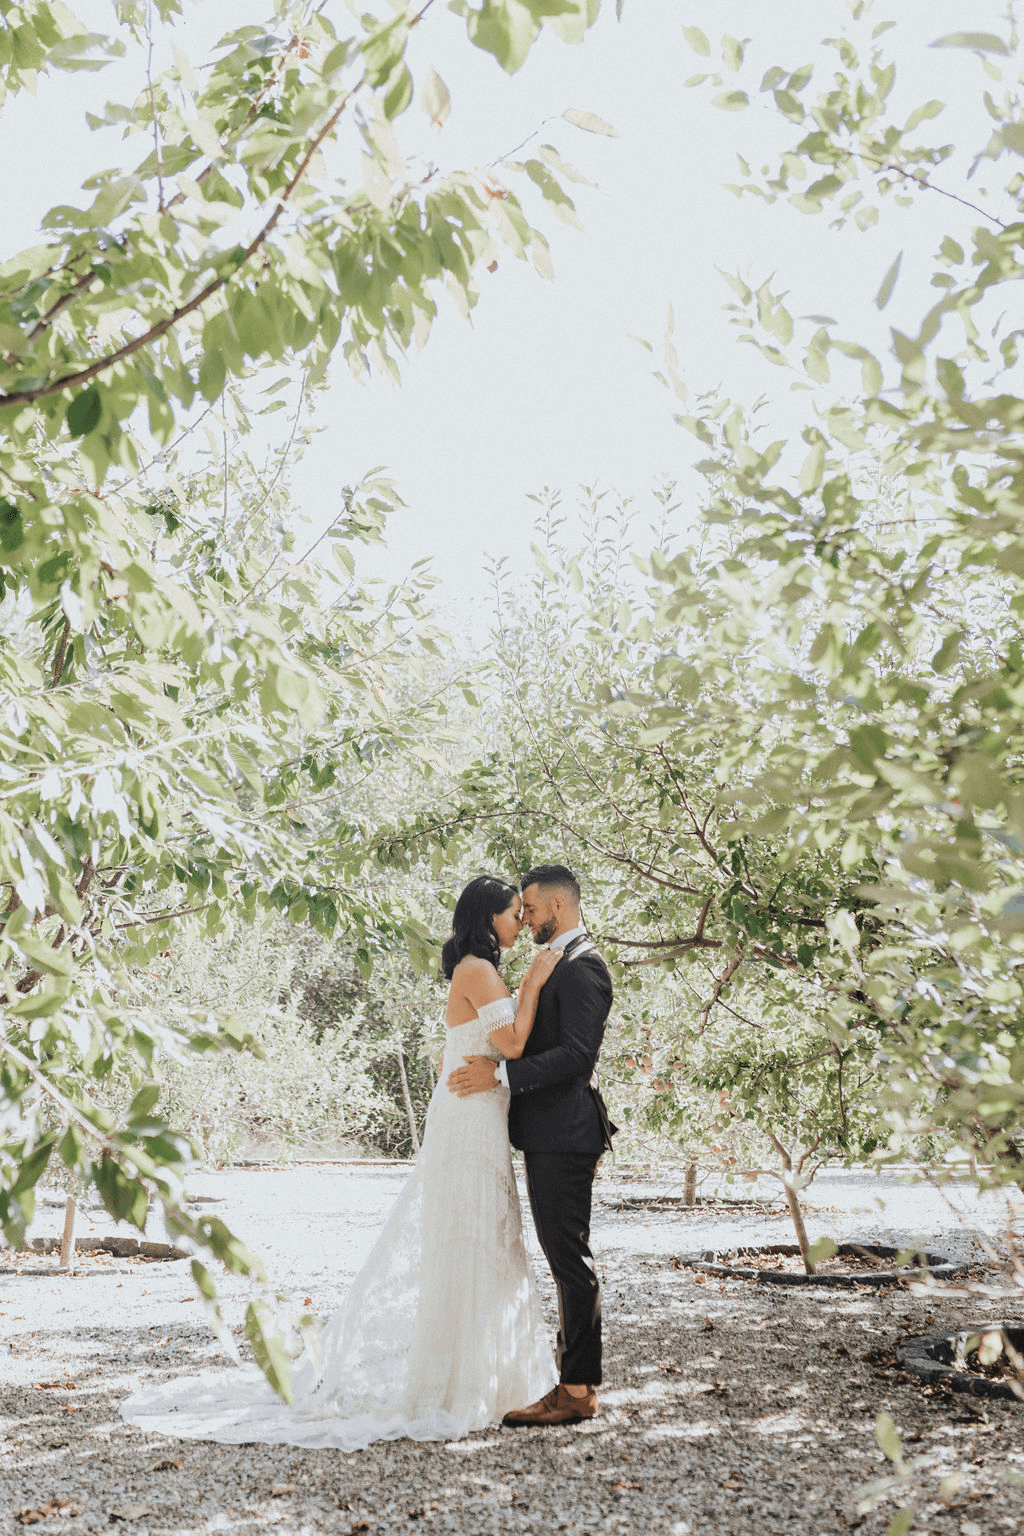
(797, 752)
(738, 1053)
(179, 679)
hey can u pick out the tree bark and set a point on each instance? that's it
(407, 1101)
(67, 1242)
(690, 1186)
(793, 1201)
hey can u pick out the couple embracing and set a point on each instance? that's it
(441, 1331)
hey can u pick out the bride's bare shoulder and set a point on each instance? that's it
(477, 980)
(470, 963)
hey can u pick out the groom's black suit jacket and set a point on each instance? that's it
(554, 1107)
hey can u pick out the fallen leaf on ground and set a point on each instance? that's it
(55, 1386)
(736, 1487)
(626, 1485)
(29, 1516)
(131, 1512)
(307, 1301)
(278, 1490)
(168, 1464)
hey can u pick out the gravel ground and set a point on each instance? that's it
(727, 1408)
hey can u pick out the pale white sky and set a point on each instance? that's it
(546, 386)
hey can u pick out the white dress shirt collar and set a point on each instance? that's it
(562, 939)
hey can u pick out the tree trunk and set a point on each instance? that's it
(793, 1201)
(690, 1187)
(789, 1178)
(407, 1101)
(67, 1242)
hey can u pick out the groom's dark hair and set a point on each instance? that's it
(554, 877)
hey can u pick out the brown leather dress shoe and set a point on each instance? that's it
(557, 1407)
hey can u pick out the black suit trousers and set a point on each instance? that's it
(560, 1186)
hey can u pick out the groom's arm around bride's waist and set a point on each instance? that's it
(583, 1004)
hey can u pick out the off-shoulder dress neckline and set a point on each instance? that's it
(484, 1014)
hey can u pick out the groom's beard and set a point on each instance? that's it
(546, 932)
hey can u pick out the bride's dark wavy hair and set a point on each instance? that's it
(473, 922)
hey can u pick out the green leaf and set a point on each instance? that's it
(32, 1167)
(53, 962)
(505, 28)
(399, 95)
(124, 1197)
(383, 51)
(884, 293)
(732, 101)
(205, 1283)
(267, 1346)
(84, 412)
(212, 374)
(929, 109)
(589, 122)
(435, 100)
(732, 52)
(772, 78)
(843, 928)
(697, 41)
(813, 468)
(816, 365)
(981, 42)
(871, 375)
(948, 651)
(824, 1248)
(888, 1439)
(901, 1522)
(144, 1101)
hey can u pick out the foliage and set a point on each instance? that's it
(885, 570)
(737, 1069)
(792, 761)
(179, 679)
(309, 1087)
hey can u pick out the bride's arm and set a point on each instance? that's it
(511, 1038)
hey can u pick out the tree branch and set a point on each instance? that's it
(83, 375)
(929, 186)
(152, 107)
(43, 1083)
(61, 656)
(720, 984)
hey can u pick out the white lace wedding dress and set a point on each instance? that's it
(441, 1331)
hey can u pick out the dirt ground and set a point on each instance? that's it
(728, 1407)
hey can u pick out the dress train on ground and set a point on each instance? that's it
(441, 1331)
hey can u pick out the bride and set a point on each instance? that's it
(441, 1331)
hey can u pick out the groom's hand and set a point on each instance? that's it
(477, 1076)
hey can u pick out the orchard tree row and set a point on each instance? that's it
(791, 763)
(192, 700)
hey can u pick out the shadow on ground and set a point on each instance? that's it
(727, 1408)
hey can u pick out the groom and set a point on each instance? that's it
(558, 1119)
